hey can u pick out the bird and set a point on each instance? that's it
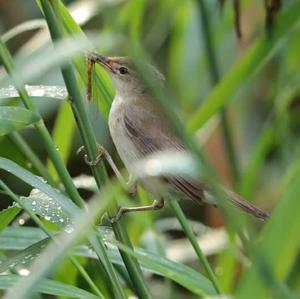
(139, 129)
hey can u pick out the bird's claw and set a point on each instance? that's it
(115, 218)
(101, 153)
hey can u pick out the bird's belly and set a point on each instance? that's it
(129, 154)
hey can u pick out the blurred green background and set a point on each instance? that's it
(257, 78)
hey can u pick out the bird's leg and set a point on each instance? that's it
(156, 205)
(131, 185)
(104, 153)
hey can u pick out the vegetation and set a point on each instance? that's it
(232, 87)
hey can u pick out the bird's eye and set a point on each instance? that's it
(123, 70)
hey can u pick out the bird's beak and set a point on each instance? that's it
(102, 60)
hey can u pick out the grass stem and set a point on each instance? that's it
(215, 78)
(52, 15)
(190, 235)
(42, 130)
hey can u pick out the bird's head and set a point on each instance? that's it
(126, 79)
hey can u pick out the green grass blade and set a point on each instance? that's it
(50, 287)
(87, 134)
(55, 251)
(63, 134)
(36, 182)
(181, 274)
(190, 235)
(8, 215)
(275, 251)
(25, 256)
(258, 155)
(15, 118)
(47, 207)
(30, 212)
(215, 78)
(245, 67)
(20, 237)
(23, 27)
(41, 128)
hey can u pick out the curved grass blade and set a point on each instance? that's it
(25, 257)
(275, 254)
(183, 275)
(19, 237)
(50, 287)
(23, 27)
(46, 207)
(39, 184)
(15, 118)
(7, 215)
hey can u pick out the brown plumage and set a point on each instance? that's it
(139, 129)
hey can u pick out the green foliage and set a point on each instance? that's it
(63, 133)
(7, 215)
(68, 245)
(14, 118)
(47, 286)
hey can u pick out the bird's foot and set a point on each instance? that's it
(101, 153)
(156, 205)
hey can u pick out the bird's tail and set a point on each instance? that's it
(241, 203)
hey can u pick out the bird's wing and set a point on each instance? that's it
(150, 132)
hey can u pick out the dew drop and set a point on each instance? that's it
(69, 229)
(21, 221)
(39, 92)
(24, 272)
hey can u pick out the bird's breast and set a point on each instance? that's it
(125, 147)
